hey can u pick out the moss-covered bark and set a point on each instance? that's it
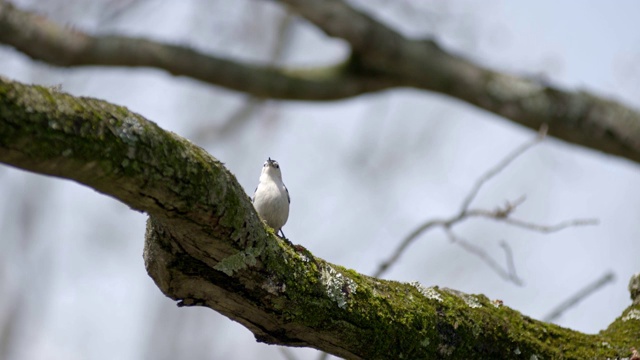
(206, 246)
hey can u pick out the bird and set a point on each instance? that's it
(271, 198)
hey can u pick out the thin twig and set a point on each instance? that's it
(499, 214)
(511, 266)
(501, 166)
(546, 229)
(382, 268)
(463, 213)
(288, 355)
(502, 215)
(509, 274)
(283, 38)
(252, 105)
(579, 296)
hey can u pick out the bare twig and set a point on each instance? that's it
(253, 104)
(288, 355)
(384, 266)
(550, 228)
(283, 38)
(233, 122)
(501, 166)
(509, 274)
(499, 214)
(511, 266)
(112, 12)
(579, 296)
(502, 214)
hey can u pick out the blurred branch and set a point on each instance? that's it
(542, 132)
(605, 279)
(501, 214)
(231, 124)
(287, 354)
(509, 274)
(252, 105)
(59, 45)
(114, 10)
(206, 246)
(577, 117)
(283, 38)
(511, 266)
(381, 59)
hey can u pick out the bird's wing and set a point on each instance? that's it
(287, 190)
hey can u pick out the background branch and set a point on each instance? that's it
(252, 105)
(573, 300)
(576, 117)
(382, 59)
(542, 132)
(500, 214)
(508, 274)
(59, 45)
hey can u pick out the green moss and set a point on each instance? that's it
(121, 154)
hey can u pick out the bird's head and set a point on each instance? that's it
(272, 168)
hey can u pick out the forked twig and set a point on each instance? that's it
(509, 274)
(499, 214)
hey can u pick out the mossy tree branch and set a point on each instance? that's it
(205, 246)
(382, 59)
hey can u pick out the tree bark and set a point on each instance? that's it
(205, 246)
(381, 59)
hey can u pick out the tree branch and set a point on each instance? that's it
(579, 296)
(503, 164)
(382, 59)
(205, 246)
(576, 117)
(59, 45)
(252, 105)
(499, 214)
(508, 274)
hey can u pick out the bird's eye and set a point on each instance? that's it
(265, 165)
(276, 166)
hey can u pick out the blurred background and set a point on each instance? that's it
(362, 172)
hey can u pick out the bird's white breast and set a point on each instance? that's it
(272, 203)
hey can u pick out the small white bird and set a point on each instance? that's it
(271, 198)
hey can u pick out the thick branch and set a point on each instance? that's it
(59, 45)
(382, 59)
(577, 117)
(205, 246)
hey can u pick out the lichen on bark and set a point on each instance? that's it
(205, 246)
